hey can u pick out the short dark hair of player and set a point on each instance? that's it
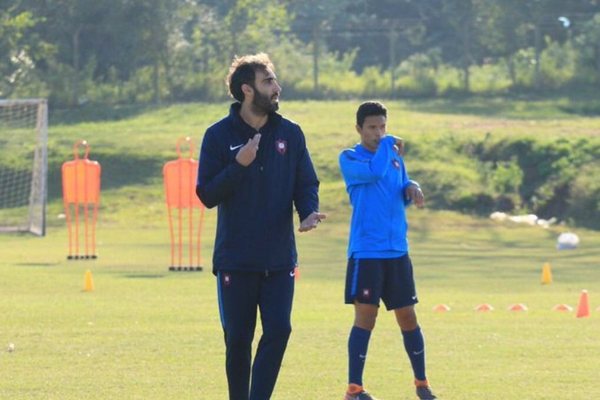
(243, 71)
(369, 108)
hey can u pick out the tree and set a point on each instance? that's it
(461, 15)
(544, 21)
(71, 25)
(589, 43)
(316, 20)
(505, 30)
(20, 46)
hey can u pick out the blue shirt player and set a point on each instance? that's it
(378, 263)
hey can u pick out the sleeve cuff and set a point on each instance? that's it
(411, 182)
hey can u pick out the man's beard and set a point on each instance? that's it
(263, 104)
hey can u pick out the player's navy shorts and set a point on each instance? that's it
(388, 279)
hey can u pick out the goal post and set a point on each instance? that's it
(23, 165)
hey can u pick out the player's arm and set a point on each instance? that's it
(412, 192)
(217, 176)
(306, 190)
(357, 170)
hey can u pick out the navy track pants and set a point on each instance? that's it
(241, 294)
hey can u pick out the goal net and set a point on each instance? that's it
(23, 165)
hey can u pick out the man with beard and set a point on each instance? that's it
(254, 165)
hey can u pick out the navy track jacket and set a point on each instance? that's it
(255, 228)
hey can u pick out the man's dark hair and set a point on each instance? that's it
(367, 109)
(243, 71)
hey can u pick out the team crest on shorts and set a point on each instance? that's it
(396, 164)
(281, 146)
(366, 293)
(226, 279)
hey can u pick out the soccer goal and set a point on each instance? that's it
(23, 165)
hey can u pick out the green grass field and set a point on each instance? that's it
(146, 333)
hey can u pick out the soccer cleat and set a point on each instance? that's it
(356, 392)
(424, 391)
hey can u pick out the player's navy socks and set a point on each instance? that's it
(358, 343)
(415, 348)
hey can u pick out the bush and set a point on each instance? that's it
(558, 64)
(417, 75)
(448, 80)
(336, 78)
(555, 178)
(524, 60)
(422, 86)
(583, 204)
(374, 82)
(489, 79)
(448, 185)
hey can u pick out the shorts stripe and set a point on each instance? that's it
(354, 278)
(220, 299)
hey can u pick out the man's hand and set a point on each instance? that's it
(414, 193)
(311, 221)
(399, 145)
(247, 152)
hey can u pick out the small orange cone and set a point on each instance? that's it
(583, 309)
(441, 308)
(296, 272)
(88, 282)
(484, 307)
(518, 307)
(546, 274)
(562, 307)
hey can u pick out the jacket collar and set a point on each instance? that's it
(241, 126)
(363, 151)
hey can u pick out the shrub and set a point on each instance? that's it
(448, 185)
(558, 64)
(489, 78)
(583, 204)
(417, 75)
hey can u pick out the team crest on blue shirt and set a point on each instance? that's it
(396, 163)
(281, 146)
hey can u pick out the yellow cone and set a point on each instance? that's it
(546, 274)
(88, 283)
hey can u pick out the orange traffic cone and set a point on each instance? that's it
(441, 308)
(88, 282)
(583, 309)
(484, 307)
(562, 307)
(517, 307)
(546, 274)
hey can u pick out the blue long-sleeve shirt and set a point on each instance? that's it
(255, 229)
(376, 183)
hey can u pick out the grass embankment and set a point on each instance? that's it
(145, 333)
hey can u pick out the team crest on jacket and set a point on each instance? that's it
(281, 146)
(396, 164)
